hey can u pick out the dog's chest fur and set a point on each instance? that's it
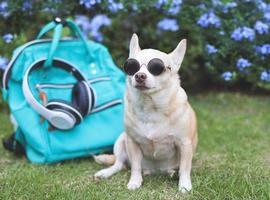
(154, 124)
(154, 136)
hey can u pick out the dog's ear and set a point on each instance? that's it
(134, 46)
(178, 54)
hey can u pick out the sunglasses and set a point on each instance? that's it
(155, 66)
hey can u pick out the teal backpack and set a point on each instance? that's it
(96, 128)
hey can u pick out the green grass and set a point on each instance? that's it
(232, 160)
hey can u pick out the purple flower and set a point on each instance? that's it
(264, 49)
(96, 23)
(266, 16)
(263, 6)
(209, 19)
(202, 6)
(216, 3)
(242, 63)
(26, 6)
(8, 38)
(265, 75)
(175, 7)
(231, 4)
(168, 25)
(3, 63)
(261, 27)
(93, 26)
(227, 76)
(225, 7)
(160, 3)
(115, 6)
(84, 23)
(4, 9)
(243, 33)
(88, 4)
(211, 49)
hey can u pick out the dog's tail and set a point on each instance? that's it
(105, 159)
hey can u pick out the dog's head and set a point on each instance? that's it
(149, 70)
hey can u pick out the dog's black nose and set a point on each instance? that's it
(140, 77)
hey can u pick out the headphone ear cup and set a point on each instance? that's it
(67, 108)
(82, 97)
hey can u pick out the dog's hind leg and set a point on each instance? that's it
(120, 159)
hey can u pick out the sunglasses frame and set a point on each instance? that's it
(147, 66)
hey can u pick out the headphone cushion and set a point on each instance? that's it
(81, 97)
(66, 107)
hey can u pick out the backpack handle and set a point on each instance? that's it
(58, 25)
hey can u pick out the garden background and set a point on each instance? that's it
(226, 69)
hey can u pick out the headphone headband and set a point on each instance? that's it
(60, 64)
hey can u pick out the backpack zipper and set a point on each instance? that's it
(68, 86)
(106, 105)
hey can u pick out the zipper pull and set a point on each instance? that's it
(44, 99)
(51, 128)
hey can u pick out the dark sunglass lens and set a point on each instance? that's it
(156, 66)
(131, 66)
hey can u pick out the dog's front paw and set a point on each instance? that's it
(132, 185)
(135, 182)
(185, 186)
(102, 174)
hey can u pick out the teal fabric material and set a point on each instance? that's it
(54, 45)
(48, 27)
(98, 131)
